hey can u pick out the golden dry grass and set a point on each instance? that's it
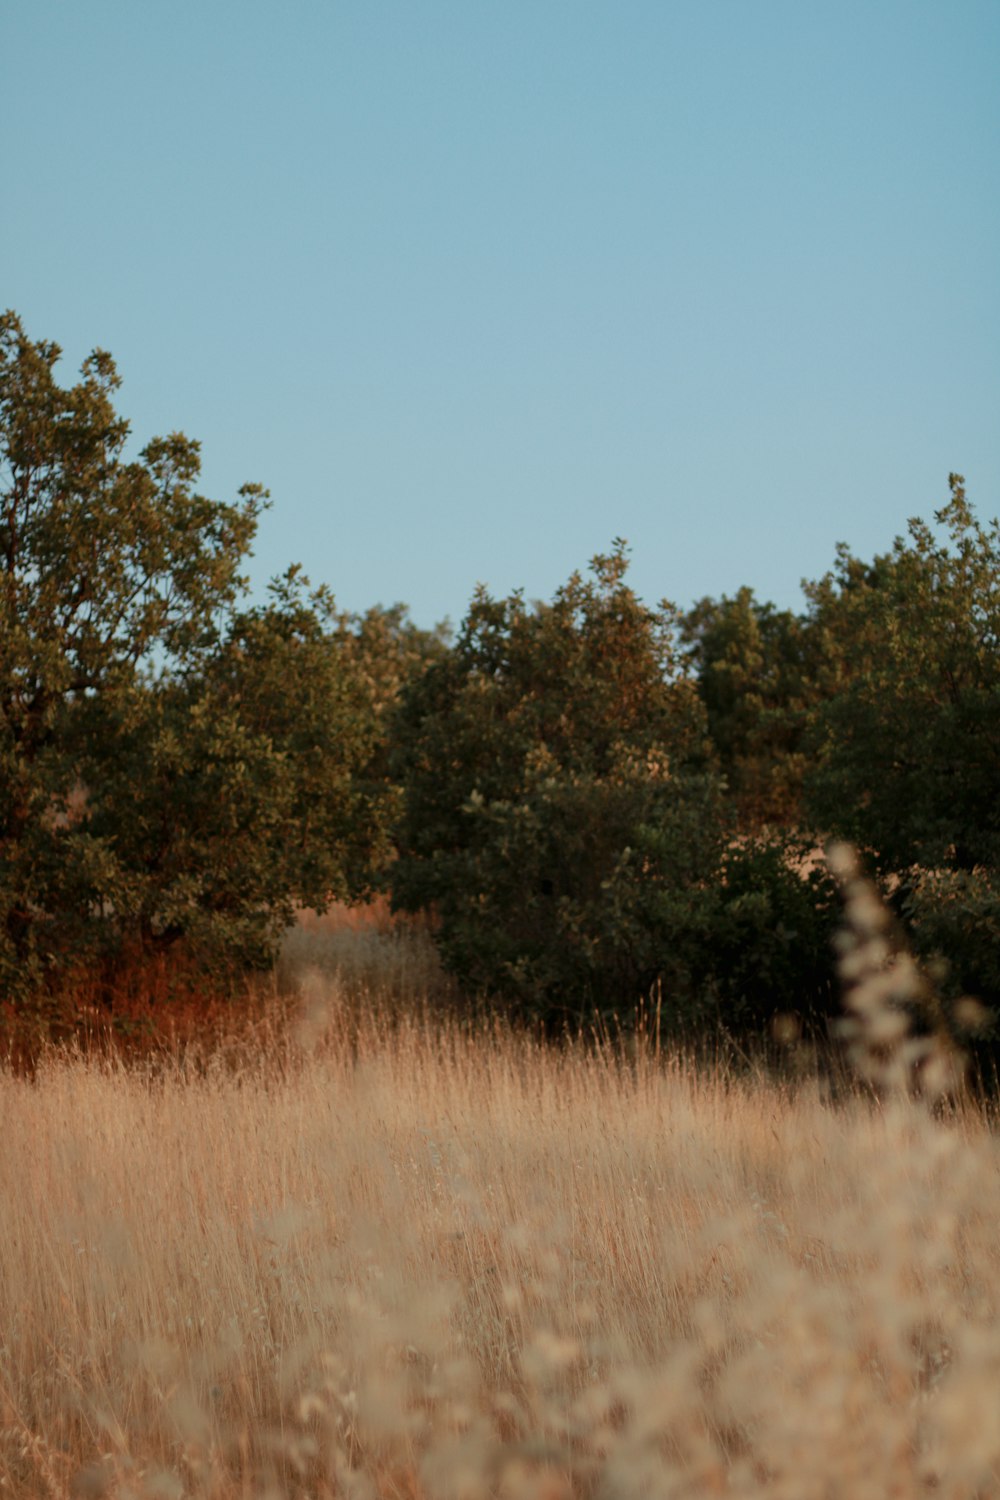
(420, 1261)
(384, 962)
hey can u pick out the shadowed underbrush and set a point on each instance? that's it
(163, 1006)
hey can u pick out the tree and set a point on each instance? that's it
(757, 674)
(905, 741)
(561, 814)
(769, 950)
(241, 790)
(171, 766)
(106, 568)
(386, 650)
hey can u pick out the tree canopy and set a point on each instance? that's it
(874, 716)
(174, 765)
(905, 739)
(560, 812)
(590, 795)
(757, 672)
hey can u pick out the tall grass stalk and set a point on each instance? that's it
(416, 1260)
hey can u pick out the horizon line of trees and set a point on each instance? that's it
(594, 796)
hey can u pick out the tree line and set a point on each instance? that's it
(593, 796)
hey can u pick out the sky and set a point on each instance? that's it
(475, 288)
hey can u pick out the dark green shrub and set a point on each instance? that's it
(953, 917)
(561, 814)
(769, 949)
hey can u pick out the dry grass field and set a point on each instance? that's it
(369, 1258)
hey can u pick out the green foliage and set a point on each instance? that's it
(385, 650)
(774, 914)
(757, 673)
(905, 741)
(872, 717)
(238, 791)
(105, 566)
(953, 917)
(171, 767)
(561, 816)
(177, 767)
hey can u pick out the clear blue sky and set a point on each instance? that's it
(474, 288)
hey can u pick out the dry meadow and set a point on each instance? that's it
(369, 1256)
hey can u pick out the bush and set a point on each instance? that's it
(904, 741)
(562, 816)
(953, 917)
(769, 950)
